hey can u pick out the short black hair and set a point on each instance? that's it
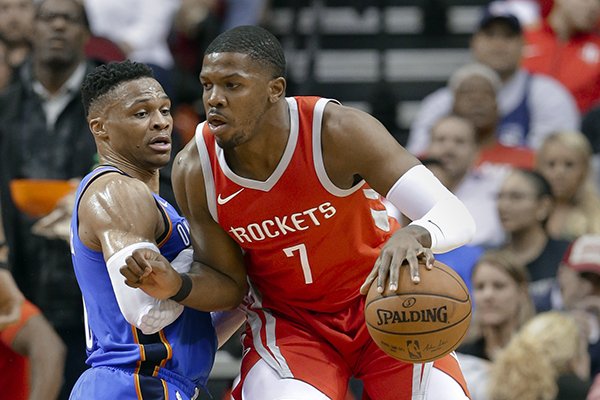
(258, 43)
(108, 76)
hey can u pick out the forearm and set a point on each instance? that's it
(430, 205)
(212, 290)
(46, 372)
(11, 299)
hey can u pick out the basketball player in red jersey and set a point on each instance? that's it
(282, 195)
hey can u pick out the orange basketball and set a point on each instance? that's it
(420, 322)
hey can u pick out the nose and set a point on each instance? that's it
(161, 121)
(216, 97)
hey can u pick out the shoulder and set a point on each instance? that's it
(342, 121)
(114, 198)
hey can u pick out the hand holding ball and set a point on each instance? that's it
(420, 322)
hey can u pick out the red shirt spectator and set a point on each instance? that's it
(14, 369)
(567, 47)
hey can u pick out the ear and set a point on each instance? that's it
(97, 127)
(277, 89)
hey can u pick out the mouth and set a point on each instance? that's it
(216, 122)
(160, 144)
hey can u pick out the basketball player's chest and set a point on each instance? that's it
(294, 210)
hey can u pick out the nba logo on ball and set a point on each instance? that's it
(420, 322)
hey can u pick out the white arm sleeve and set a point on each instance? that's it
(420, 196)
(148, 314)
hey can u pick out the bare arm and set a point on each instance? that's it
(357, 145)
(11, 299)
(219, 278)
(119, 216)
(46, 353)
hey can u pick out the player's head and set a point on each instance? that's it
(244, 85)
(257, 43)
(128, 113)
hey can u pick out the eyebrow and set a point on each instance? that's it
(145, 99)
(232, 75)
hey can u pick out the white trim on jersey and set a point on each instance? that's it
(272, 180)
(318, 153)
(209, 180)
(420, 383)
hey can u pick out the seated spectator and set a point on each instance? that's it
(32, 358)
(590, 127)
(530, 106)
(475, 87)
(454, 144)
(525, 203)
(16, 21)
(502, 304)
(545, 360)
(566, 47)
(577, 290)
(45, 137)
(565, 161)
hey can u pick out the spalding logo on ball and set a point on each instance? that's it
(420, 322)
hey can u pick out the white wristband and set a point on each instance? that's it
(147, 313)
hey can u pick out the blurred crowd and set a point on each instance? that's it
(515, 135)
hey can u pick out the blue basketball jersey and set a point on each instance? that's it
(183, 352)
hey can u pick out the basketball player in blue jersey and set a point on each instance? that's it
(138, 347)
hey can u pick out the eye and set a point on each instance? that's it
(232, 85)
(206, 86)
(165, 111)
(141, 114)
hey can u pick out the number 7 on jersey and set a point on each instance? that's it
(301, 249)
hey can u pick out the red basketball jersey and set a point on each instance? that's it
(306, 242)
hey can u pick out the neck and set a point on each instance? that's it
(51, 77)
(454, 181)
(497, 337)
(505, 76)
(258, 158)
(527, 244)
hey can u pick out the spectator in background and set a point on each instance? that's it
(6, 70)
(545, 360)
(475, 88)
(31, 353)
(530, 105)
(32, 358)
(502, 304)
(44, 135)
(565, 161)
(566, 47)
(16, 21)
(141, 28)
(454, 144)
(590, 127)
(525, 203)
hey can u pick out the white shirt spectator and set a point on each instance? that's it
(140, 27)
(551, 108)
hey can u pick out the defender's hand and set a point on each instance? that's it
(150, 271)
